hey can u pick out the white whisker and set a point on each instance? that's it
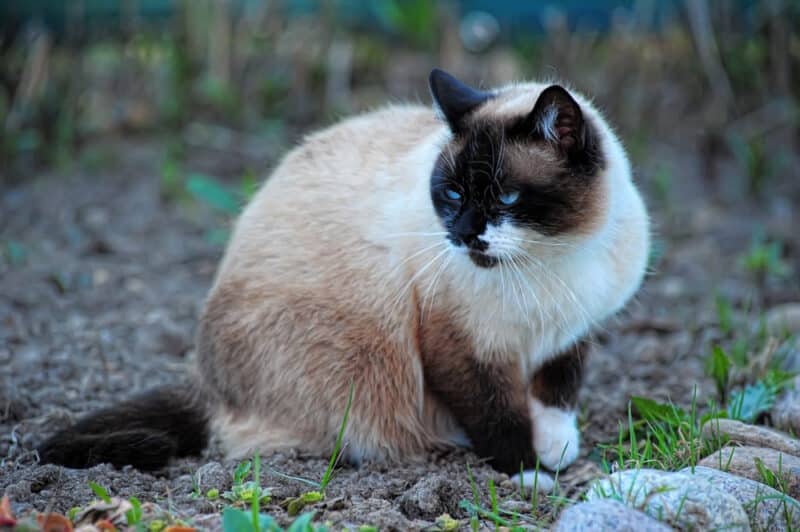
(396, 301)
(432, 289)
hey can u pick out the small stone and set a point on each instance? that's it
(764, 505)
(783, 319)
(606, 514)
(675, 498)
(781, 322)
(213, 476)
(429, 498)
(518, 506)
(100, 276)
(742, 461)
(785, 412)
(378, 513)
(730, 430)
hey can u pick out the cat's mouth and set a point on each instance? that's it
(483, 260)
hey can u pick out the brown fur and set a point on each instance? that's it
(558, 381)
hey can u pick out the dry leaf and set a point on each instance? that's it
(6, 515)
(54, 523)
(106, 525)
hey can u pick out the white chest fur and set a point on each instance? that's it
(537, 308)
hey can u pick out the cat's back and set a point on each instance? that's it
(327, 195)
(354, 151)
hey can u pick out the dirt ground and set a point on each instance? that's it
(104, 304)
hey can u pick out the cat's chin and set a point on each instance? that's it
(482, 260)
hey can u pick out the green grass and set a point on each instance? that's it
(661, 436)
(776, 479)
(498, 516)
(244, 492)
(754, 357)
(134, 516)
(764, 259)
(100, 491)
(326, 477)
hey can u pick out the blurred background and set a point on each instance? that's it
(707, 89)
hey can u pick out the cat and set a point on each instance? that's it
(447, 262)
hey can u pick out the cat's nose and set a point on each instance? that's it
(472, 240)
(468, 229)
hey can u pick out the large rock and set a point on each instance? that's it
(681, 500)
(730, 430)
(766, 507)
(742, 461)
(606, 514)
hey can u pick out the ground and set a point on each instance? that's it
(103, 279)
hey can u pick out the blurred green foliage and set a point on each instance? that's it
(255, 75)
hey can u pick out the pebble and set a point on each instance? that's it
(764, 505)
(429, 498)
(733, 431)
(783, 319)
(741, 461)
(675, 498)
(606, 514)
(213, 476)
(785, 412)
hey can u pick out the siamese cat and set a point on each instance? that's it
(446, 262)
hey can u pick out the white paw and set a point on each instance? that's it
(541, 481)
(556, 439)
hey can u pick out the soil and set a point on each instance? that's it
(104, 304)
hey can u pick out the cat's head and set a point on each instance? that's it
(521, 169)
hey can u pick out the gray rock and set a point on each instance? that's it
(765, 506)
(741, 461)
(786, 411)
(606, 514)
(730, 430)
(678, 499)
(213, 476)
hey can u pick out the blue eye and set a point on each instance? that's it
(509, 198)
(452, 194)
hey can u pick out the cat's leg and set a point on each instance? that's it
(553, 407)
(489, 402)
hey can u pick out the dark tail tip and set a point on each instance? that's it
(144, 431)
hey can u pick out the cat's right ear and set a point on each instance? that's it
(453, 98)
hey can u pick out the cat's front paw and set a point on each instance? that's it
(534, 480)
(556, 439)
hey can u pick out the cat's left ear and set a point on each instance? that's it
(558, 118)
(454, 99)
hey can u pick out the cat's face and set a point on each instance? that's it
(505, 185)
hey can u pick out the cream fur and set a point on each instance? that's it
(340, 255)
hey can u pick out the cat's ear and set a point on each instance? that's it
(558, 118)
(453, 98)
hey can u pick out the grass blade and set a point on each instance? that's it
(326, 478)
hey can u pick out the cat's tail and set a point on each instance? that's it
(144, 431)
